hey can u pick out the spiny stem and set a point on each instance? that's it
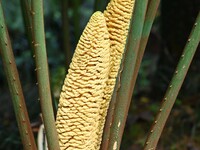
(124, 86)
(15, 86)
(174, 87)
(43, 74)
(26, 9)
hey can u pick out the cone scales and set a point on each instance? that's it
(83, 90)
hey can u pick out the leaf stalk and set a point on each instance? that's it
(174, 86)
(43, 74)
(15, 88)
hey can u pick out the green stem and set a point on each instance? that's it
(174, 87)
(149, 18)
(125, 83)
(15, 86)
(26, 7)
(65, 34)
(43, 74)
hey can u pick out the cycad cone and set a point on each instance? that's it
(90, 81)
(83, 90)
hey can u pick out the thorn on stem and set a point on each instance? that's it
(23, 120)
(37, 69)
(119, 124)
(115, 146)
(32, 13)
(36, 44)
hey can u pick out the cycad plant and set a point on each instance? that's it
(98, 88)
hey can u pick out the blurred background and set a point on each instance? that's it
(169, 34)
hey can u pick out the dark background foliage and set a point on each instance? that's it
(168, 36)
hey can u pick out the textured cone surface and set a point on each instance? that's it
(79, 106)
(118, 14)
